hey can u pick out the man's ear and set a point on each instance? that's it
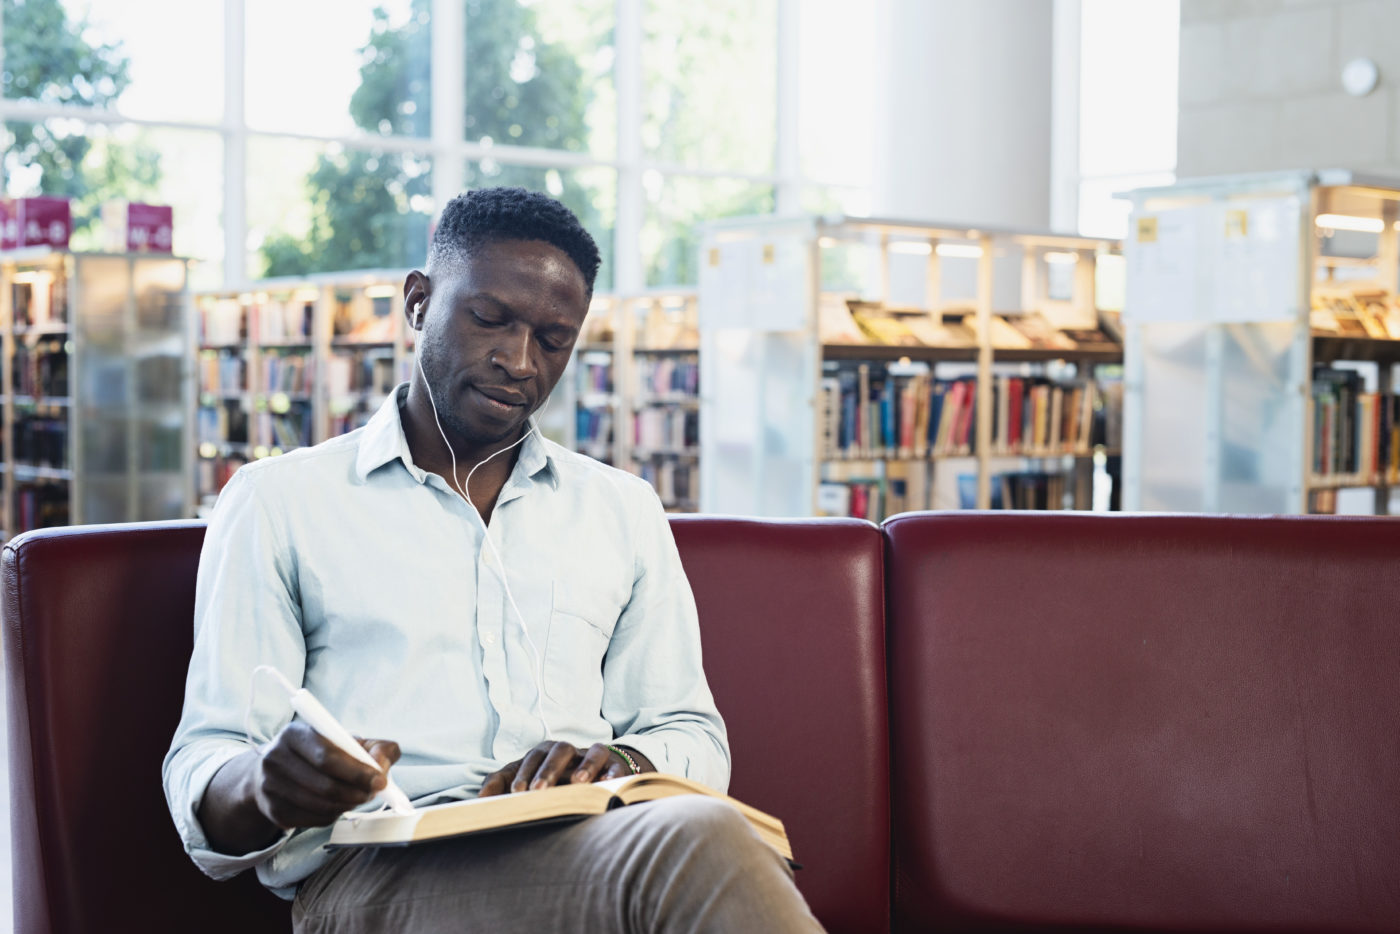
(415, 298)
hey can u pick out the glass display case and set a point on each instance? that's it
(97, 388)
(1262, 327)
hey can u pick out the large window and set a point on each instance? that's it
(317, 135)
(1127, 111)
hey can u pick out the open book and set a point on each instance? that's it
(526, 807)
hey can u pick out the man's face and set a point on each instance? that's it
(497, 333)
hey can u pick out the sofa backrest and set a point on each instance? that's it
(1146, 722)
(792, 624)
(98, 634)
(97, 640)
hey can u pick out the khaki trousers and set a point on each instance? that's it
(683, 864)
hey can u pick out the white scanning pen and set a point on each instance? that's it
(311, 710)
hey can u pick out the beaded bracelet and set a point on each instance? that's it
(631, 763)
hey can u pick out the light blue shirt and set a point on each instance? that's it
(365, 579)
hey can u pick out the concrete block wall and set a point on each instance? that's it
(1261, 86)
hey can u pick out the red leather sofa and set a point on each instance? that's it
(969, 722)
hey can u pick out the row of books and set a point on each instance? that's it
(666, 376)
(214, 473)
(594, 376)
(41, 441)
(1354, 432)
(668, 429)
(286, 431)
(593, 427)
(869, 411)
(676, 483)
(41, 370)
(226, 421)
(40, 505)
(346, 422)
(283, 322)
(222, 372)
(291, 372)
(369, 372)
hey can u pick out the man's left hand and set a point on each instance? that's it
(559, 763)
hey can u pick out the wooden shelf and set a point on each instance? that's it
(1328, 349)
(887, 352)
(1344, 482)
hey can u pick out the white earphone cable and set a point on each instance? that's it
(463, 490)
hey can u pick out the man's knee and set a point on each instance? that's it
(709, 819)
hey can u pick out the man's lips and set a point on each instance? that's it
(503, 396)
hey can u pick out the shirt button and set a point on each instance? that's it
(489, 638)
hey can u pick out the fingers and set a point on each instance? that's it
(303, 780)
(555, 768)
(594, 765)
(324, 756)
(498, 782)
(385, 752)
(292, 793)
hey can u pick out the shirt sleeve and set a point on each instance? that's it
(654, 690)
(246, 614)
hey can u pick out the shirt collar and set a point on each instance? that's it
(383, 441)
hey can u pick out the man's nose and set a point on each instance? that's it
(514, 354)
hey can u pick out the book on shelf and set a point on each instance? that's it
(869, 411)
(594, 428)
(1355, 433)
(222, 372)
(677, 483)
(665, 377)
(666, 428)
(41, 370)
(562, 802)
(283, 322)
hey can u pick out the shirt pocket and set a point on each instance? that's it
(581, 624)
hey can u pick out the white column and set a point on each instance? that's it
(235, 149)
(449, 87)
(1064, 115)
(964, 96)
(788, 198)
(628, 275)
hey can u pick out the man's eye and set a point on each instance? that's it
(485, 322)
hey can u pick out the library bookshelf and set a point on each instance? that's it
(291, 362)
(96, 388)
(862, 366)
(1260, 373)
(285, 363)
(633, 388)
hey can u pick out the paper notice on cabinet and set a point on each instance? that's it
(1257, 277)
(1166, 267)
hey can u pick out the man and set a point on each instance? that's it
(563, 648)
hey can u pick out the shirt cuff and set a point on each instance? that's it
(214, 864)
(656, 749)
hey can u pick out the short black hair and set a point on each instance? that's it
(489, 215)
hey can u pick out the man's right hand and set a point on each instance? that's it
(300, 779)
